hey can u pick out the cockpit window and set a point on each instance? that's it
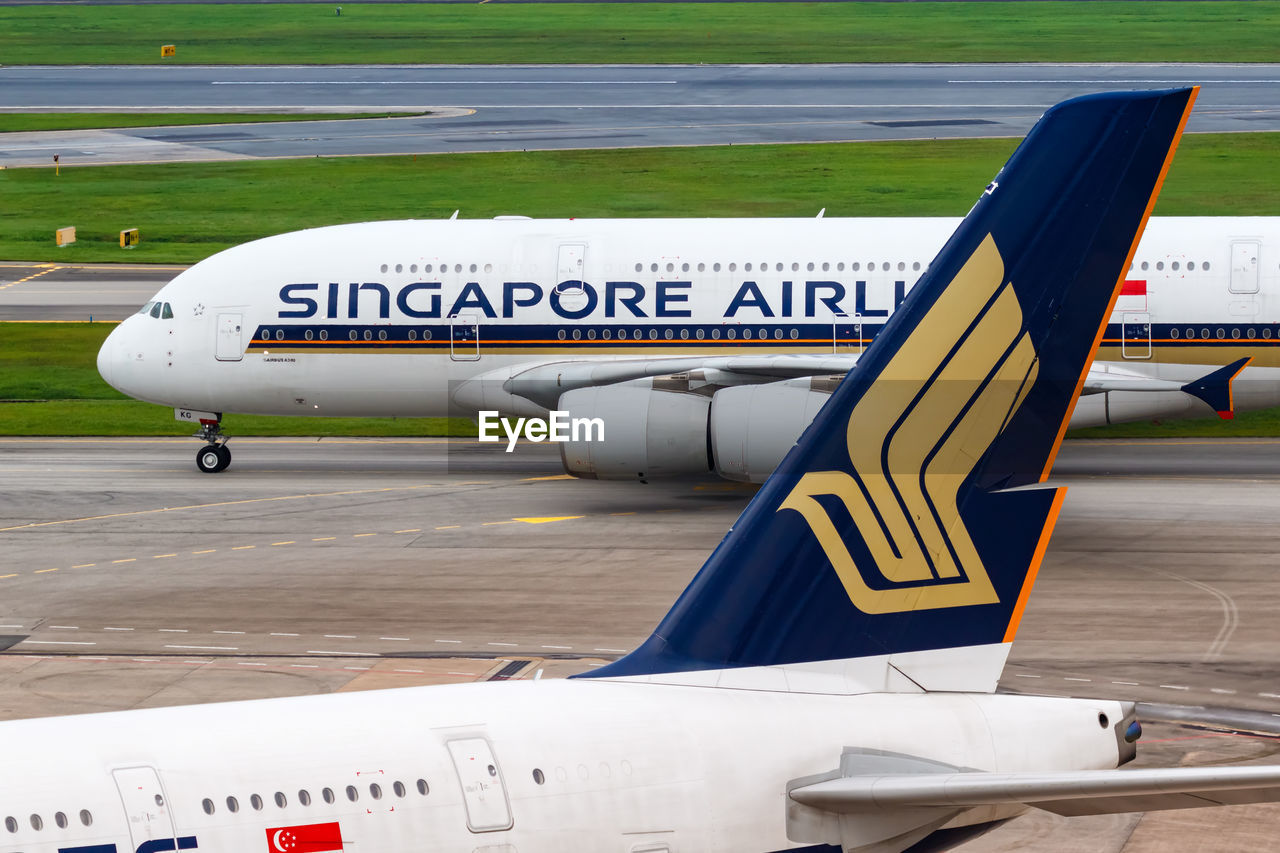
(155, 310)
(167, 312)
(146, 309)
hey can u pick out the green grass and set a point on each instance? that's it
(49, 385)
(187, 211)
(1264, 423)
(643, 32)
(15, 122)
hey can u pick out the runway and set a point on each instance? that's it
(512, 108)
(69, 292)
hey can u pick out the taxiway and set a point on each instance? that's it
(513, 108)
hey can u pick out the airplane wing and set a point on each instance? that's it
(1085, 792)
(544, 383)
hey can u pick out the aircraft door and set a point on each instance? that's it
(483, 791)
(1135, 336)
(1244, 266)
(230, 343)
(846, 334)
(464, 337)
(571, 264)
(146, 807)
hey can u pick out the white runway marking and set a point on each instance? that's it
(57, 643)
(207, 648)
(443, 82)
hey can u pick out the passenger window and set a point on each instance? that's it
(60, 819)
(352, 793)
(423, 789)
(11, 824)
(281, 799)
(87, 819)
(233, 805)
(206, 804)
(399, 788)
(256, 802)
(328, 796)
(37, 822)
(304, 797)
(375, 791)
(167, 312)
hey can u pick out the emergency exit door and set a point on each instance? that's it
(146, 807)
(483, 791)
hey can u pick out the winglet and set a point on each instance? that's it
(1215, 388)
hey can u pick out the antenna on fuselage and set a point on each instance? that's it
(455, 216)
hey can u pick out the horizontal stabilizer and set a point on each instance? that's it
(1083, 792)
(1215, 388)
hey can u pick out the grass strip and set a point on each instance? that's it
(1118, 31)
(49, 385)
(19, 122)
(188, 211)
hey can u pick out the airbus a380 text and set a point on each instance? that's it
(676, 333)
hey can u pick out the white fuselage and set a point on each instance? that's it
(517, 766)
(387, 318)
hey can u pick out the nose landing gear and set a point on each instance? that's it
(215, 456)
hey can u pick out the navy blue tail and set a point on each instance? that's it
(889, 527)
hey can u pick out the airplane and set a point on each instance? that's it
(826, 680)
(704, 345)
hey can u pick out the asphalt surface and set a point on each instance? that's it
(505, 108)
(107, 292)
(311, 566)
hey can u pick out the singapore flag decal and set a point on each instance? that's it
(310, 838)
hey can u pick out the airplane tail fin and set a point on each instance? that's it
(891, 549)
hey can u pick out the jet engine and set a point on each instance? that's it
(648, 432)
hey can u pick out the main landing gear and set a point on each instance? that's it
(215, 456)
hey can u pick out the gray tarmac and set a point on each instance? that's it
(512, 108)
(314, 566)
(71, 292)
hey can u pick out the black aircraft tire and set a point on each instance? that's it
(224, 458)
(210, 460)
